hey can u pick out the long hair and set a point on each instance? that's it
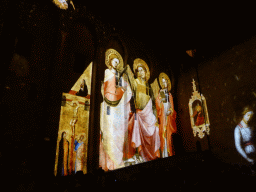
(247, 109)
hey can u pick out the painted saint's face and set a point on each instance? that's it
(141, 73)
(64, 135)
(82, 83)
(248, 116)
(115, 63)
(81, 138)
(164, 83)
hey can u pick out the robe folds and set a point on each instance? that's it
(80, 155)
(113, 122)
(145, 134)
(199, 118)
(167, 124)
(63, 157)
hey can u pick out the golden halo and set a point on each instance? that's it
(139, 62)
(111, 54)
(163, 75)
(61, 5)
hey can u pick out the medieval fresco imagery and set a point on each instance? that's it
(244, 134)
(137, 118)
(72, 142)
(199, 117)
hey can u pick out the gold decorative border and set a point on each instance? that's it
(204, 128)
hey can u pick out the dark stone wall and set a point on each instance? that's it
(46, 50)
(228, 83)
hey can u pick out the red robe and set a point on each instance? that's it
(166, 122)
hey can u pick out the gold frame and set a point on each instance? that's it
(205, 127)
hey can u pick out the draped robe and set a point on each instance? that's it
(63, 157)
(143, 132)
(114, 122)
(80, 155)
(167, 124)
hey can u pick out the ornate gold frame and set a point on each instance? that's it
(205, 127)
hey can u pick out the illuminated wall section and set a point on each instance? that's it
(228, 83)
(137, 118)
(72, 142)
(188, 100)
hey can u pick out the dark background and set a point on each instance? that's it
(44, 51)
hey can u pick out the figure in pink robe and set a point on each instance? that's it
(143, 129)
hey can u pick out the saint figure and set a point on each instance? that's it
(166, 115)
(198, 115)
(114, 112)
(80, 153)
(83, 92)
(244, 137)
(63, 155)
(142, 127)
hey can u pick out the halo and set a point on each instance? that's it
(163, 75)
(111, 54)
(139, 62)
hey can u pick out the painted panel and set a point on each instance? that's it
(72, 141)
(137, 118)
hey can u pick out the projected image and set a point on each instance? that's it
(115, 111)
(71, 150)
(143, 125)
(166, 115)
(198, 113)
(137, 118)
(244, 135)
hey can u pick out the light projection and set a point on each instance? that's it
(198, 113)
(115, 111)
(166, 115)
(63, 4)
(144, 127)
(244, 134)
(72, 141)
(137, 118)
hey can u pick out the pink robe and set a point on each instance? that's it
(145, 135)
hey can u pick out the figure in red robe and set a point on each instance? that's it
(198, 116)
(167, 119)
